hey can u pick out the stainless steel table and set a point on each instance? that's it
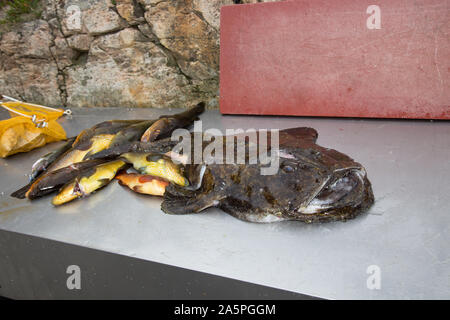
(405, 235)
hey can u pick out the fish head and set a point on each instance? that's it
(321, 181)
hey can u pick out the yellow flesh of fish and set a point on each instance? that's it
(99, 143)
(87, 185)
(161, 168)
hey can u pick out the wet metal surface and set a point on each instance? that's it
(405, 233)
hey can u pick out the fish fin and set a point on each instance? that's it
(155, 130)
(245, 212)
(181, 192)
(103, 182)
(87, 155)
(301, 133)
(109, 153)
(176, 204)
(193, 113)
(21, 193)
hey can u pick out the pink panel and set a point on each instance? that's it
(319, 58)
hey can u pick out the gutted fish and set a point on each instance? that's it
(156, 165)
(88, 182)
(142, 183)
(312, 184)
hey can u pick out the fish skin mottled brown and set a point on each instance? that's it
(313, 184)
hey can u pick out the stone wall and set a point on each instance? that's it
(115, 53)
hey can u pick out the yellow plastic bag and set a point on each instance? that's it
(30, 127)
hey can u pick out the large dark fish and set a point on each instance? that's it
(312, 184)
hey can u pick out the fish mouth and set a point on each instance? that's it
(346, 190)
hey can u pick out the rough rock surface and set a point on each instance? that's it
(127, 53)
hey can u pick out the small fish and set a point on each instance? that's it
(88, 182)
(142, 183)
(105, 127)
(157, 130)
(41, 165)
(163, 146)
(156, 165)
(93, 140)
(167, 124)
(131, 133)
(96, 143)
(48, 183)
(89, 141)
(44, 162)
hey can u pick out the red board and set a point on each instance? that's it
(336, 58)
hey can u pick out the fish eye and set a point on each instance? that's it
(287, 168)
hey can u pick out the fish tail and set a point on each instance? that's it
(193, 113)
(21, 193)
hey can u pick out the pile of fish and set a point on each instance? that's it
(312, 184)
(71, 171)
